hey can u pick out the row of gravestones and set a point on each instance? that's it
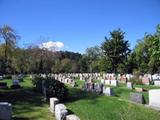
(146, 78)
(5, 107)
(154, 94)
(98, 88)
(60, 110)
(15, 83)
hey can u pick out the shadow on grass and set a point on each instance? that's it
(78, 94)
(23, 101)
(20, 118)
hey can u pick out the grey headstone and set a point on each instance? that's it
(157, 83)
(5, 111)
(137, 98)
(15, 82)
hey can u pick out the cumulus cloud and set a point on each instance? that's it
(50, 45)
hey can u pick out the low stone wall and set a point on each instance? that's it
(60, 110)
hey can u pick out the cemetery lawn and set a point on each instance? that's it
(89, 106)
(26, 104)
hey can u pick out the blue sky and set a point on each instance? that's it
(79, 23)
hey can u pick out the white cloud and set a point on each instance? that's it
(50, 45)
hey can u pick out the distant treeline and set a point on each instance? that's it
(113, 55)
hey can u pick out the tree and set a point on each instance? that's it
(147, 53)
(9, 36)
(93, 54)
(115, 49)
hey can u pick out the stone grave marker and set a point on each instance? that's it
(129, 85)
(107, 82)
(60, 112)
(114, 82)
(53, 102)
(154, 98)
(139, 89)
(1, 77)
(72, 117)
(137, 98)
(5, 111)
(15, 82)
(108, 91)
(157, 82)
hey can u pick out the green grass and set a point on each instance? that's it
(26, 104)
(80, 83)
(89, 106)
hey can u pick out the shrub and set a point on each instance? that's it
(54, 88)
(37, 82)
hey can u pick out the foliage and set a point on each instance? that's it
(116, 49)
(147, 53)
(113, 55)
(54, 88)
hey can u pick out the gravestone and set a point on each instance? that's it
(129, 85)
(108, 91)
(60, 112)
(154, 98)
(139, 89)
(98, 88)
(114, 82)
(146, 80)
(53, 102)
(5, 111)
(1, 77)
(102, 81)
(157, 83)
(15, 82)
(107, 82)
(3, 85)
(137, 98)
(72, 117)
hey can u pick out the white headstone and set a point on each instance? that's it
(114, 82)
(102, 81)
(108, 91)
(157, 83)
(53, 102)
(107, 82)
(5, 111)
(1, 77)
(60, 112)
(72, 117)
(154, 98)
(129, 85)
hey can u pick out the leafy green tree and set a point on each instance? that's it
(93, 54)
(9, 37)
(116, 49)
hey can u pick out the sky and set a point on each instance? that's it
(75, 25)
